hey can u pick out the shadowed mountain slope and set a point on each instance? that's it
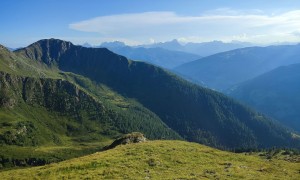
(275, 93)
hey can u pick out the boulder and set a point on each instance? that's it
(135, 137)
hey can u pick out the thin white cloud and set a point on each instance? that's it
(221, 24)
(233, 12)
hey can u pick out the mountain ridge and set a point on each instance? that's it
(59, 115)
(202, 49)
(157, 56)
(169, 97)
(224, 70)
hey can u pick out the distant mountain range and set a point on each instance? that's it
(169, 54)
(275, 93)
(157, 56)
(86, 45)
(113, 45)
(201, 49)
(73, 100)
(224, 70)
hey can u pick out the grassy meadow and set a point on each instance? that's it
(165, 160)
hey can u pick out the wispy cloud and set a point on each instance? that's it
(220, 24)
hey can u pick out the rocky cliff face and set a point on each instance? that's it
(48, 51)
(55, 94)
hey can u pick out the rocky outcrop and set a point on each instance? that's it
(55, 94)
(135, 137)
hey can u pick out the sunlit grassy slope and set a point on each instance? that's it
(164, 160)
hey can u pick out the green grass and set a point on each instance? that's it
(163, 160)
(50, 141)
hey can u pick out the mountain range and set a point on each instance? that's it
(62, 100)
(157, 56)
(202, 49)
(224, 70)
(170, 54)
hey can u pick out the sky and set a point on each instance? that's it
(147, 21)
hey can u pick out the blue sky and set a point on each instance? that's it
(146, 21)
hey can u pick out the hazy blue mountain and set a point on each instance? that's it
(213, 47)
(86, 45)
(195, 113)
(158, 56)
(202, 49)
(222, 71)
(173, 45)
(275, 93)
(115, 44)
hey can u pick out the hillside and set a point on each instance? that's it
(13, 64)
(64, 116)
(224, 70)
(157, 56)
(167, 160)
(275, 93)
(196, 114)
